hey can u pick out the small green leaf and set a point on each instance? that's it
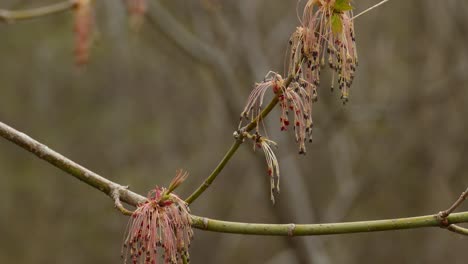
(337, 26)
(342, 5)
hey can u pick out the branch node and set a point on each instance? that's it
(239, 135)
(442, 219)
(442, 215)
(291, 229)
(205, 222)
(115, 194)
(5, 16)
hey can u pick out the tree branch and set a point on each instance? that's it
(111, 188)
(324, 229)
(81, 173)
(215, 172)
(9, 16)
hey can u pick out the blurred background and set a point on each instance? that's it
(168, 96)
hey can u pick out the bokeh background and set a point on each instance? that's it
(168, 96)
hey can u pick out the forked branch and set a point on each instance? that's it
(444, 215)
(110, 188)
(455, 205)
(232, 150)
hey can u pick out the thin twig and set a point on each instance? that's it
(458, 229)
(442, 216)
(324, 229)
(232, 150)
(106, 186)
(370, 8)
(455, 205)
(10, 16)
(207, 182)
(115, 194)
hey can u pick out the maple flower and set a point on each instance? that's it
(298, 99)
(253, 108)
(272, 163)
(328, 29)
(160, 228)
(84, 20)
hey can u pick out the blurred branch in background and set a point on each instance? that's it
(26, 14)
(160, 17)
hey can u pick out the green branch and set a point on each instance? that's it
(112, 189)
(327, 229)
(458, 229)
(232, 150)
(215, 172)
(13, 16)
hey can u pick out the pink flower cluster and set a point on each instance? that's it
(159, 229)
(327, 32)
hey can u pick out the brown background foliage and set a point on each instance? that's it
(152, 101)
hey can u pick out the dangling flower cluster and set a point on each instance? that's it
(137, 10)
(84, 20)
(272, 163)
(328, 30)
(160, 228)
(298, 99)
(255, 101)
